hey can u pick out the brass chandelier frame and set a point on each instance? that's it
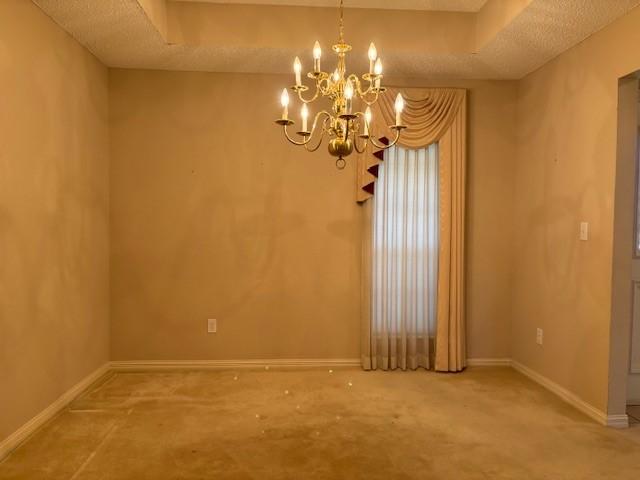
(347, 130)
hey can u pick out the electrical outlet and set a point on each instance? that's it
(539, 336)
(212, 325)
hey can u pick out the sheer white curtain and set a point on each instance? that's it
(405, 258)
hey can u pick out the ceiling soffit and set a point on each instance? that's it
(439, 5)
(503, 40)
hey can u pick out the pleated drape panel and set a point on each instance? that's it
(404, 259)
(433, 115)
(451, 331)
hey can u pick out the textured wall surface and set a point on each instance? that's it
(566, 174)
(54, 300)
(210, 222)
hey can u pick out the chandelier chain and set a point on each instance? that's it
(341, 22)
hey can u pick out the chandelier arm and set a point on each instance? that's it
(322, 132)
(327, 116)
(291, 140)
(355, 144)
(314, 98)
(313, 149)
(382, 146)
(360, 116)
(363, 93)
(324, 90)
(307, 139)
(375, 98)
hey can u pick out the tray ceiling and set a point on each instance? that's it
(501, 40)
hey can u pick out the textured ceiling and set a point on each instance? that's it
(442, 5)
(120, 34)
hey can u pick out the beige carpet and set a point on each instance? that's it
(487, 423)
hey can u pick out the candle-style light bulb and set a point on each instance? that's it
(297, 68)
(377, 70)
(348, 95)
(317, 53)
(348, 90)
(284, 101)
(304, 113)
(367, 120)
(336, 75)
(399, 107)
(373, 54)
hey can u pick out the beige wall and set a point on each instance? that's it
(209, 221)
(566, 174)
(53, 213)
(490, 189)
(214, 215)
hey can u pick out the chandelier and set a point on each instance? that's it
(345, 128)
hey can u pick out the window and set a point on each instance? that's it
(405, 254)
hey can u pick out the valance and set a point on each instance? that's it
(428, 113)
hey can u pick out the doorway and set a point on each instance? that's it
(633, 379)
(624, 367)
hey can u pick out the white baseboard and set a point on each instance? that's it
(16, 438)
(488, 362)
(147, 365)
(617, 421)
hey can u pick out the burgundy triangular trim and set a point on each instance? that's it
(380, 153)
(369, 188)
(373, 169)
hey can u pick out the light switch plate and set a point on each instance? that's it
(539, 336)
(212, 325)
(584, 231)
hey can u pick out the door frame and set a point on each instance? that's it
(624, 247)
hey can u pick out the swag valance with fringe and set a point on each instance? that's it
(428, 113)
